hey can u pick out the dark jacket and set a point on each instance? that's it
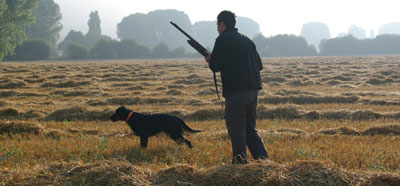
(236, 57)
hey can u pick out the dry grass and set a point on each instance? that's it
(324, 121)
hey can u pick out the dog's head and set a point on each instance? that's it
(120, 114)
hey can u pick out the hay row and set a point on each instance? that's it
(121, 172)
(295, 113)
(10, 127)
(134, 101)
(288, 113)
(310, 99)
(391, 129)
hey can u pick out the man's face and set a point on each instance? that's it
(221, 27)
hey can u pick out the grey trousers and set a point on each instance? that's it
(240, 116)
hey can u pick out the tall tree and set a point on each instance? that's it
(357, 32)
(15, 17)
(47, 25)
(94, 24)
(315, 32)
(153, 28)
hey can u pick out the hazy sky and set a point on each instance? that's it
(275, 17)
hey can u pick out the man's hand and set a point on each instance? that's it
(208, 57)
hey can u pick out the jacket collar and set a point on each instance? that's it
(230, 29)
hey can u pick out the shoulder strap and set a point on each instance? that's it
(216, 89)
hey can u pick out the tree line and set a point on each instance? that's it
(30, 30)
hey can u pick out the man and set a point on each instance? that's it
(236, 57)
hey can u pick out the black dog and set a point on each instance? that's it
(148, 125)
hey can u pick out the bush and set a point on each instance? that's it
(129, 49)
(77, 51)
(35, 49)
(104, 49)
(161, 51)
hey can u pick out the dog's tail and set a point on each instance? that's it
(187, 128)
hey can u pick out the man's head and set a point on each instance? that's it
(225, 19)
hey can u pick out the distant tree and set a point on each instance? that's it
(372, 34)
(161, 51)
(76, 37)
(35, 49)
(261, 44)
(94, 24)
(104, 49)
(205, 32)
(15, 17)
(387, 44)
(246, 26)
(314, 32)
(349, 45)
(47, 25)
(341, 46)
(126, 49)
(390, 28)
(77, 51)
(152, 28)
(178, 53)
(94, 33)
(283, 46)
(342, 34)
(90, 39)
(129, 49)
(357, 32)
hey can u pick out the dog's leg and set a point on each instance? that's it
(187, 142)
(179, 140)
(143, 141)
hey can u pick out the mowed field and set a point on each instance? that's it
(324, 121)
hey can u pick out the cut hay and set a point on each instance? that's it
(393, 129)
(339, 131)
(137, 88)
(280, 113)
(79, 113)
(189, 81)
(308, 99)
(174, 92)
(195, 102)
(68, 84)
(83, 131)
(12, 85)
(5, 94)
(176, 175)
(290, 131)
(9, 113)
(55, 134)
(205, 114)
(107, 172)
(70, 93)
(121, 85)
(8, 127)
(310, 173)
(286, 92)
(135, 101)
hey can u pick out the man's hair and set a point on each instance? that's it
(228, 17)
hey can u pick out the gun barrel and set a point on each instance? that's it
(196, 45)
(177, 27)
